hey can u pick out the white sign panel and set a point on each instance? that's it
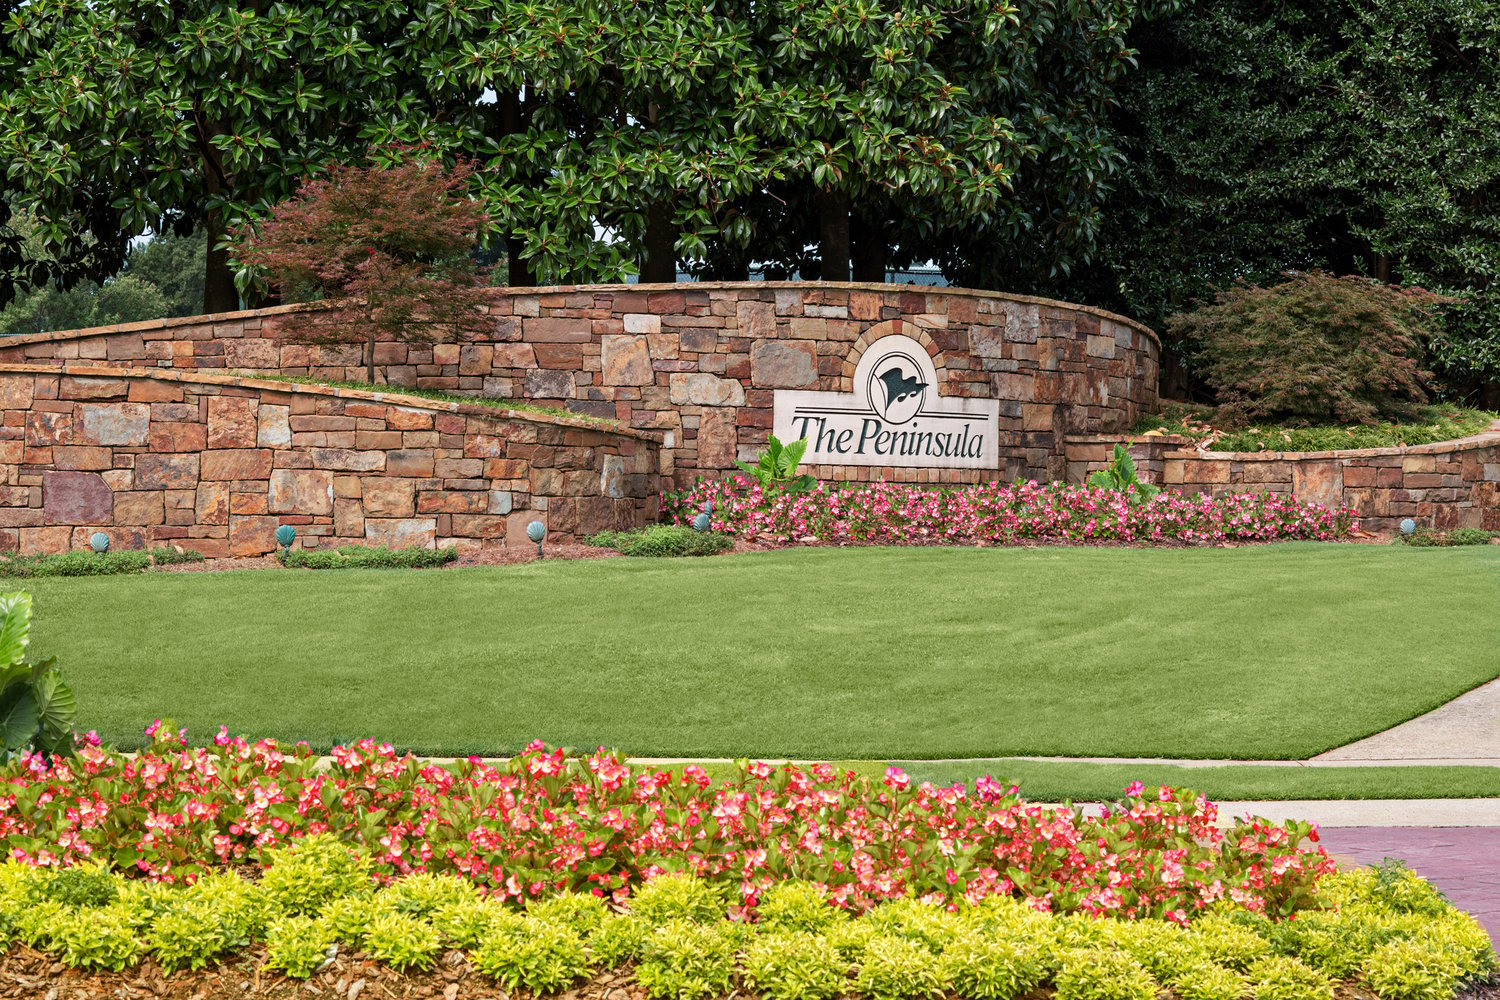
(894, 416)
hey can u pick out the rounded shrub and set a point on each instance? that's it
(794, 965)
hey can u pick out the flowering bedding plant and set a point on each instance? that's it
(544, 823)
(1000, 514)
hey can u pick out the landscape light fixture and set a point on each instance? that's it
(536, 531)
(285, 536)
(99, 542)
(702, 522)
(1408, 526)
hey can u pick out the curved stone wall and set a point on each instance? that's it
(701, 363)
(217, 463)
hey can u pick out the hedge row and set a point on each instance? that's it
(682, 937)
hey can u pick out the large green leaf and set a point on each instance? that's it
(56, 706)
(18, 716)
(15, 630)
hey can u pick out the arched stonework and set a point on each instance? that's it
(886, 329)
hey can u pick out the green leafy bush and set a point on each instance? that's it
(895, 968)
(401, 940)
(97, 939)
(663, 540)
(795, 965)
(308, 873)
(678, 897)
(991, 968)
(542, 957)
(1282, 977)
(1427, 538)
(583, 912)
(171, 555)
(298, 945)
(682, 960)
(1315, 348)
(366, 557)
(37, 707)
(795, 905)
(1103, 975)
(75, 564)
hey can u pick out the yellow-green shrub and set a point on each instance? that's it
(794, 965)
(298, 945)
(989, 968)
(899, 967)
(677, 897)
(401, 940)
(312, 871)
(1282, 977)
(543, 957)
(1102, 974)
(682, 960)
(795, 905)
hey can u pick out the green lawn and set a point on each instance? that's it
(1257, 652)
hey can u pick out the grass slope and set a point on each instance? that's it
(1259, 652)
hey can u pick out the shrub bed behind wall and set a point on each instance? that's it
(217, 463)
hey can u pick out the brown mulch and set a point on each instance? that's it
(36, 976)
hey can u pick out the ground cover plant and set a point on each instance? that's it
(366, 557)
(81, 563)
(1204, 425)
(1427, 538)
(1044, 651)
(1000, 514)
(790, 881)
(519, 405)
(663, 540)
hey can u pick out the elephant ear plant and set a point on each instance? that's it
(1121, 477)
(36, 706)
(777, 467)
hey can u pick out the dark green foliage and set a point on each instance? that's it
(81, 563)
(163, 277)
(36, 706)
(167, 555)
(663, 540)
(366, 557)
(75, 564)
(78, 886)
(1427, 538)
(1353, 137)
(1315, 348)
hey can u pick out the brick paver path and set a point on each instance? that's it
(1464, 862)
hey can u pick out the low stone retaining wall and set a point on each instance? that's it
(700, 363)
(217, 463)
(1445, 485)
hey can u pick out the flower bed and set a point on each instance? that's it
(1000, 514)
(550, 871)
(544, 823)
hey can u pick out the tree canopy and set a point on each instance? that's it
(611, 136)
(1356, 136)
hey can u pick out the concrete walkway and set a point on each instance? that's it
(1466, 730)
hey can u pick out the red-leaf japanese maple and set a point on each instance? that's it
(387, 249)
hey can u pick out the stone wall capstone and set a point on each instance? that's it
(700, 363)
(216, 463)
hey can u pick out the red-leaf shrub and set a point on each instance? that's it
(387, 248)
(544, 823)
(1000, 514)
(1316, 348)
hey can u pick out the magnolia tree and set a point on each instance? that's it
(387, 250)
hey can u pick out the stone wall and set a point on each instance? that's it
(217, 463)
(699, 363)
(1446, 485)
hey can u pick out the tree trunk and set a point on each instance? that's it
(512, 121)
(868, 236)
(833, 233)
(219, 293)
(660, 264)
(370, 355)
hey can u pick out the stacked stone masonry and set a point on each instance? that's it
(216, 463)
(700, 363)
(1450, 484)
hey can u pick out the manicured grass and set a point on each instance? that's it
(1048, 781)
(1257, 652)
